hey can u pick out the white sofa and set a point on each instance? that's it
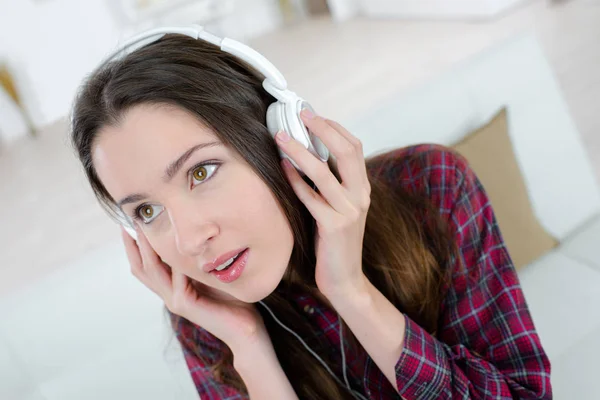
(92, 331)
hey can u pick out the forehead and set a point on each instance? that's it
(146, 124)
(133, 154)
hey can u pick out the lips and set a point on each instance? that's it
(221, 259)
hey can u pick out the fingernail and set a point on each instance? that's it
(282, 136)
(308, 113)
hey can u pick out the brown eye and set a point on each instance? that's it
(146, 212)
(203, 172)
(200, 173)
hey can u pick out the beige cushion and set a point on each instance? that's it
(490, 154)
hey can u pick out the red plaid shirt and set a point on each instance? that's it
(486, 346)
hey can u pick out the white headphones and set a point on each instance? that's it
(284, 114)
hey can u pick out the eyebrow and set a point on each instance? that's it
(170, 171)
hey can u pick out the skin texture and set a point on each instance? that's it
(197, 217)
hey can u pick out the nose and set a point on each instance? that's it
(192, 230)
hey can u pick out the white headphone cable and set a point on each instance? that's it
(343, 350)
(355, 394)
(344, 358)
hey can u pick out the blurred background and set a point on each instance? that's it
(76, 325)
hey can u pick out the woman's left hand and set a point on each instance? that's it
(340, 209)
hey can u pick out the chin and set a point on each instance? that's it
(257, 294)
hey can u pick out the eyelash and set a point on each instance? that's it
(136, 212)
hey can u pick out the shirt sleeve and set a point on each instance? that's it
(201, 350)
(487, 346)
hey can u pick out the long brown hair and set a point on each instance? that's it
(407, 247)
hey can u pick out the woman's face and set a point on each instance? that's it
(192, 214)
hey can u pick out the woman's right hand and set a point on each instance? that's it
(236, 323)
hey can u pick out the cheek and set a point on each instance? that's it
(163, 250)
(253, 204)
(180, 264)
(265, 218)
(166, 249)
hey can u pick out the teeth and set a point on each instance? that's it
(225, 264)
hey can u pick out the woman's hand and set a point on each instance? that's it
(236, 323)
(340, 209)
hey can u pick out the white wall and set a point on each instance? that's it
(438, 9)
(52, 45)
(12, 121)
(343, 9)
(422, 9)
(250, 18)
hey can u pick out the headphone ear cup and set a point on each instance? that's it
(276, 123)
(275, 118)
(318, 147)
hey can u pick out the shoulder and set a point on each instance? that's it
(433, 170)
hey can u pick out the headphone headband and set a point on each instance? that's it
(240, 50)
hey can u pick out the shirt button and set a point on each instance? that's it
(309, 310)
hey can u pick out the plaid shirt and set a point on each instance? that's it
(486, 345)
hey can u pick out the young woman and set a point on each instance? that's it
(381, 278)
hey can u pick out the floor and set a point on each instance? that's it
(52, 219)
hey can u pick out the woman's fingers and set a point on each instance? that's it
(318, 172)
(181, 286)
(136, 263)
(156, 274)
(133, 253)
(180, 282)
(191, 302)
(355, 142)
